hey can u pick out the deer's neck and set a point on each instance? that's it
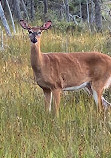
(36, 56)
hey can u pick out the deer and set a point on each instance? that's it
(59, 71)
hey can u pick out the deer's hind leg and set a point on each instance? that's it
(105, 103)
(93, 93)
(48, 99)
(97, 89)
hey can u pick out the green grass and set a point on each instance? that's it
(26, 130)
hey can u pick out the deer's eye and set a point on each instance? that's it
(30, 32)
(39, 33)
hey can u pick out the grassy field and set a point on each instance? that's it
(26, 130)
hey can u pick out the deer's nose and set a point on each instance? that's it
(34, 40)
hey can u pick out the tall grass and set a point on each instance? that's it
(26, 130)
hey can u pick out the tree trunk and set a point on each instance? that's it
(17, 9)
(84, 11)
(98, 16)
(45, 6)
(80, 7)
(32, 10)
(92, 16)
(87, 11)
(4, 21)
(13, 25)
(67, 10)
(3, 3)
(2, 42)
(25, 9)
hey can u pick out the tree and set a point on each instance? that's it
(67, 10)
(45, 6)
(32, 13)
(25, 9)
(92, 16)
(30, 9)
(17, 9)
(87, 3)
(98, 16)
(45, 2)
(13, 25)
(4, 20)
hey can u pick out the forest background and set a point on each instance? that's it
(96, 14)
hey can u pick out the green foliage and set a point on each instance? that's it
(66, 26)
(27, 131)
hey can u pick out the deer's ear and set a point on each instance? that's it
(25, 25)
(46, 25)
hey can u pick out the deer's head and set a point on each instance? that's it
(35, 32)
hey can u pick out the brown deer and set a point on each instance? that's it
(57, 72)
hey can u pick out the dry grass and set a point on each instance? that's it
(26, 130)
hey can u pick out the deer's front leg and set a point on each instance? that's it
(48, 99)
(56, 97)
